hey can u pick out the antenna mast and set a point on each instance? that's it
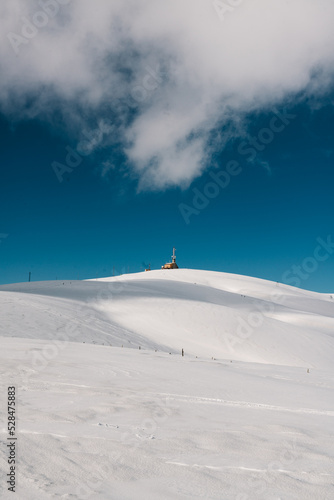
(174, 256)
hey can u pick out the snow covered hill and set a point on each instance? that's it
(205, 313)
(247, 413)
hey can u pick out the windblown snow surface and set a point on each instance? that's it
(107, 408)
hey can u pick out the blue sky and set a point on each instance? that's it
(121, 207)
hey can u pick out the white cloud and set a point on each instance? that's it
(178, 65)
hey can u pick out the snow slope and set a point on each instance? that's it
(206, 313)
(246, 413)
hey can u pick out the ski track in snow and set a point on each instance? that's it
(243, 404)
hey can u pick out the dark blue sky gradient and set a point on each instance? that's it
(267, 220)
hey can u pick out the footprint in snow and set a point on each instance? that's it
(141, 436)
